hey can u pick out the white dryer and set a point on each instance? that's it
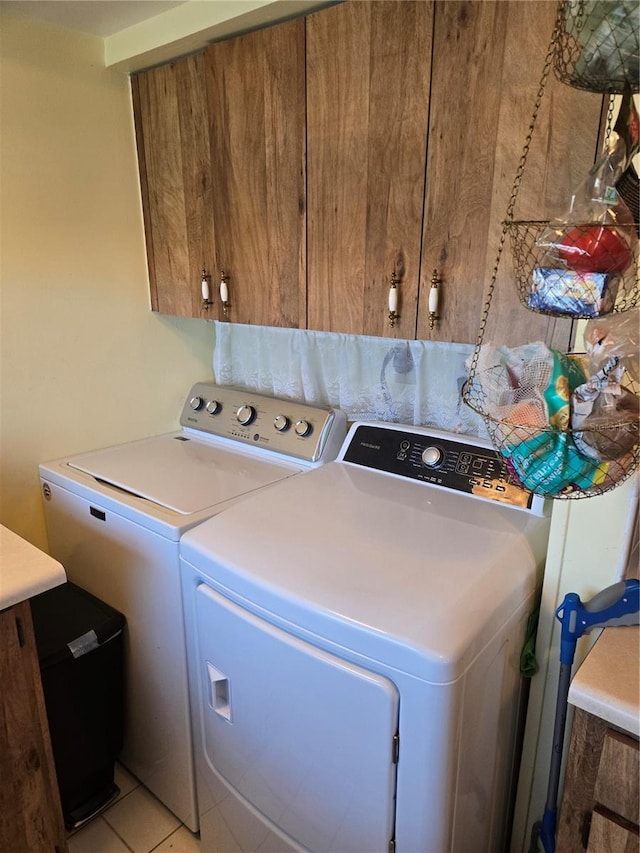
(114, 518)
(354, 637)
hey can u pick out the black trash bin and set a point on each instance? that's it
(80, 649)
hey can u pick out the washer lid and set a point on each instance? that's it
(401, 572)
(181, 473)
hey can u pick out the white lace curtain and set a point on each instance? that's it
(412, 382)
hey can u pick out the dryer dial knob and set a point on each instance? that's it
(281, 423)
(214, 407)
(246, 415)
(196, 403)
(303, 428)
(432, 456)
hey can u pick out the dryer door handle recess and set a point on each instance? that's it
(219, 694)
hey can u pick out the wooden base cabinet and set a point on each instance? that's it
(30, 811)
(600, 810)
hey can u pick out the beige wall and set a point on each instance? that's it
(84, 362)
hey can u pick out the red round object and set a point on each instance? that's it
(595, 248)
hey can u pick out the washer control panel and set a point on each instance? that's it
(460, 463)
(279, 425)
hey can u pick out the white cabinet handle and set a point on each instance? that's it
(224, 291)
(393, 300)
(205, 290)
(434, 294)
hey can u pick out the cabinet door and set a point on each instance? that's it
(173, 155)
(600, 795)
(255, 88)
(368, 70)
(487, 62)
(609, 836)
(618, 782)
(469, 43)
(29, 798)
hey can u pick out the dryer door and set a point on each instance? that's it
(305, 737)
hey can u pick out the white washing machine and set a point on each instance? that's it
(114, 518)
(354, 638)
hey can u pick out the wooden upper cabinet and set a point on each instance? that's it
(256, 107)
(368, 70)
(314, 159)
(174, 161)
(487, 62)
(417, 114)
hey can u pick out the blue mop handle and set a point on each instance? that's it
(618, 604)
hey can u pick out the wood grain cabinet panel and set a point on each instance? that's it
(30, 811)
(171, 119)
(368, 75)
(467, 65)
(256, 107)
(619, 762)
(600, 801)
(486, 66)
(609, 836)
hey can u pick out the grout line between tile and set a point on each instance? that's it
(103, 816)
(173, 832)
(115, 832)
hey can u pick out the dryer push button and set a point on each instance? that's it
(432, 456)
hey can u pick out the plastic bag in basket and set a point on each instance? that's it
(527, 393)
(605, 415)
(582, 256)
(616, 335)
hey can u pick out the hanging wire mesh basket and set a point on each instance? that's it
(552, 287)
(598, 46)
(531, 398)
(542, 451)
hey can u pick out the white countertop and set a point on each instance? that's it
(24, 569)
(607, 684)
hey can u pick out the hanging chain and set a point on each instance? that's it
(513, 198)
(610, 112)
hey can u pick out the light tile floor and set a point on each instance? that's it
(136, 822)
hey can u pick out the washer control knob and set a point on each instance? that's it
(214, 407)
(432, 456)
(196, 403)
(246, 414)
(303, 428)
(281, 423)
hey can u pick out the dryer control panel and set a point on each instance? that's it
(299, 430)
(437, 458)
